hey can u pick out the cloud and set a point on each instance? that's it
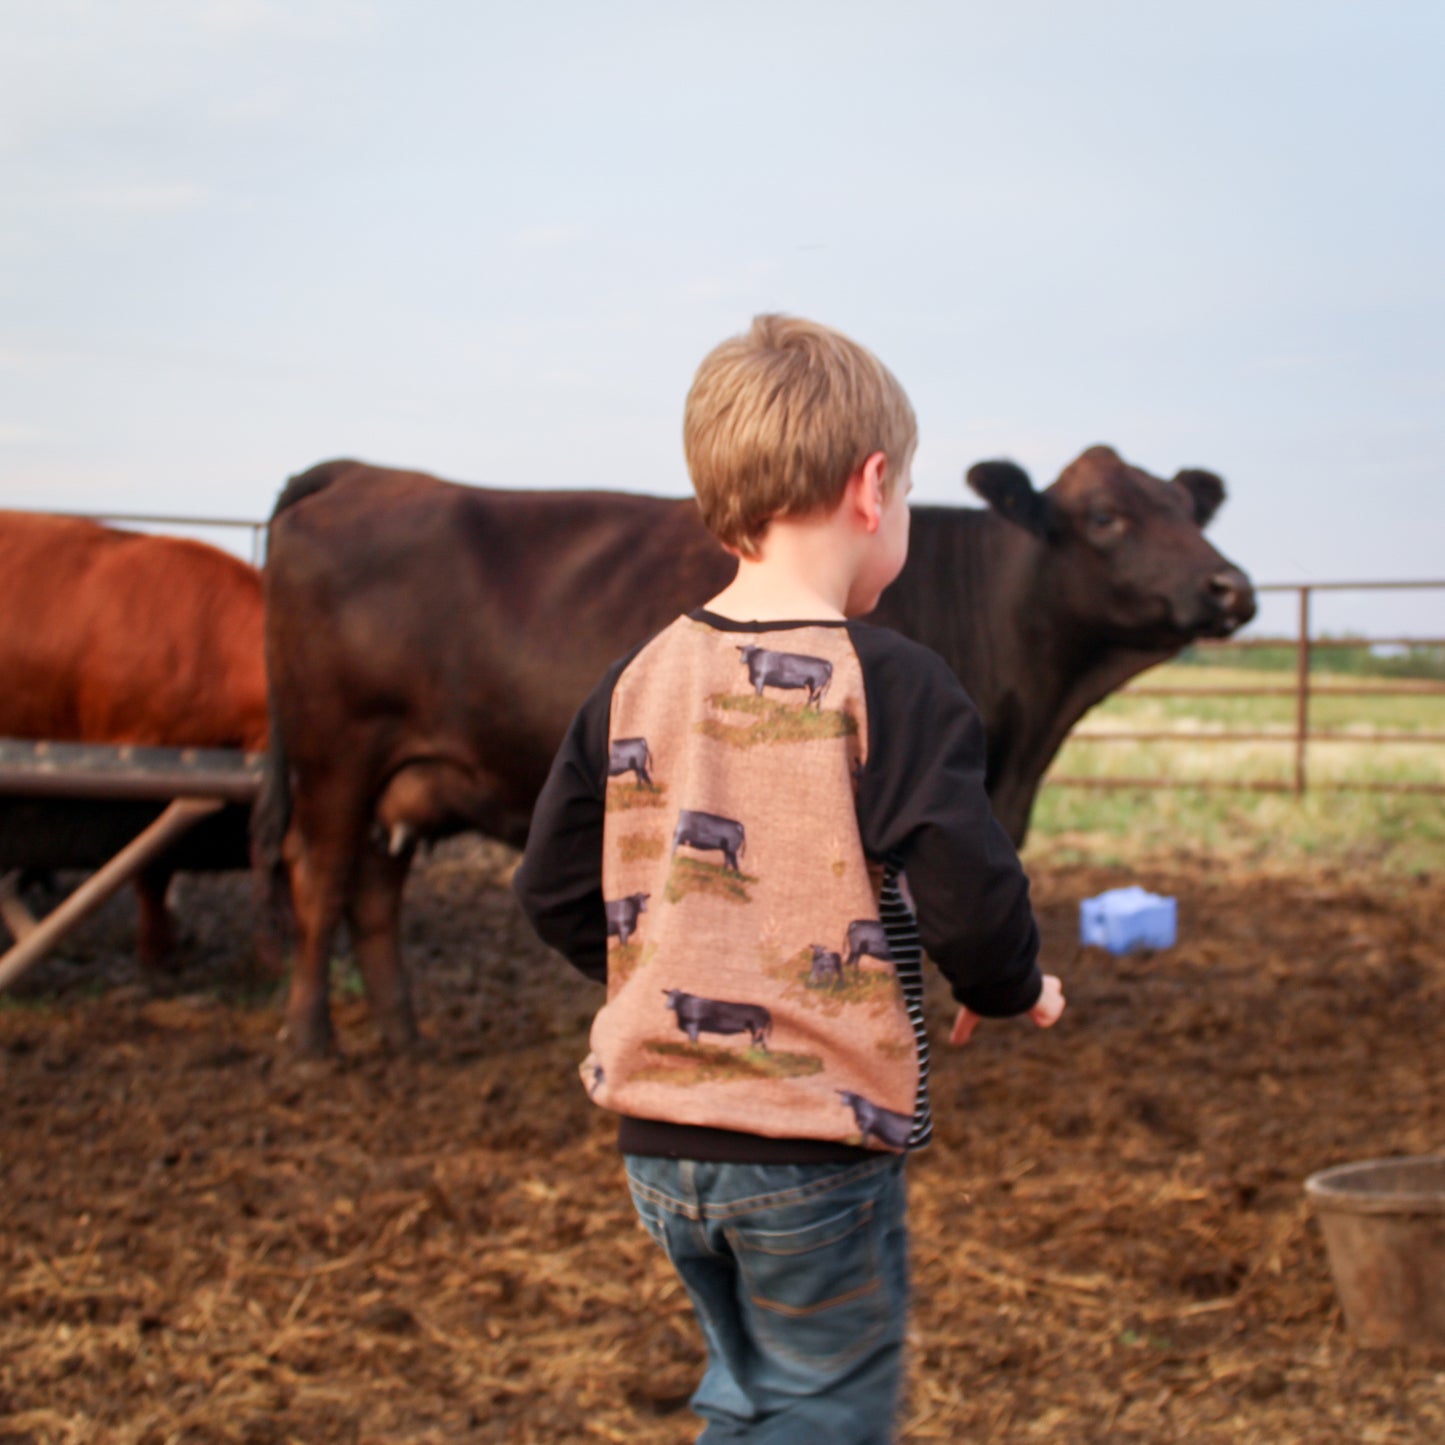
(134, 198)
(13, 435)
(1297, 361)
(317, 19)
(541, 238)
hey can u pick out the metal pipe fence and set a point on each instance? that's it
(1306, 691)
(257, 530)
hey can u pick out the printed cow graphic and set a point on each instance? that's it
(710, 832)
(867, 939)
(716, 1016)
(622, 915)
(787, 670)
(827, 967)
(630, 755)
(889, 1128)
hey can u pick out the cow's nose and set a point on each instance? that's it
(1233, 593)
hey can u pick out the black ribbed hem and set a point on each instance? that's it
(1007, 1001)
(657, 1139)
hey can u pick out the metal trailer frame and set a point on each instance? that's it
(186, 785)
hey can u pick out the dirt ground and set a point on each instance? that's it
(203, 1242)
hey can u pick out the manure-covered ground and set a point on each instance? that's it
(201, 1241)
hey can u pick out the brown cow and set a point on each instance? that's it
(117, 637)
(428, 643)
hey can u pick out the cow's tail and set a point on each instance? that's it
(270, 819)
(271, 814)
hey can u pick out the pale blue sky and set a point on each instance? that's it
(493, 241)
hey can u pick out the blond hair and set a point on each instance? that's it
(778, 419)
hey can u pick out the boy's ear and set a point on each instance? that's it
(865, 487)
(1006, 487)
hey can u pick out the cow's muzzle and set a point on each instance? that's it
(1230, 599)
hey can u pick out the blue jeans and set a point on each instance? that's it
(799, 1276)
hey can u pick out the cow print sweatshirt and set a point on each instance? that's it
(723, 841)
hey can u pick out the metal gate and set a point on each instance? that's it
(1305, 689)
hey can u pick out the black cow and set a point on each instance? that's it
(888, 1127)
(788, 669)
(867, 939)
(827, 965)
(1042, 605)
(630, 755)
(622, 915)
(710, 833)
(714, 1016)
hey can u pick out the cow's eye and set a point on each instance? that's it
(1103, 519)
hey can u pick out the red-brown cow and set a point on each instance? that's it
(427, 644)
(109, 636)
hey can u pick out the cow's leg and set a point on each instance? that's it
(322, 848)
(317, 895)
(155, 933)
(730, 857)
(374, 917)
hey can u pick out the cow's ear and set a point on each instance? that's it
(1007, 489)
(1206, 491)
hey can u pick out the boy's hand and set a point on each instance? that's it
(963, 1026)
(1045, 1013)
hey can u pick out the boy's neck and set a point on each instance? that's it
(800, 574)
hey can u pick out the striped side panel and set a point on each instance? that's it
(901, 928)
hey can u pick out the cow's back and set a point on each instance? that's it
(112, 636)
(410, 617)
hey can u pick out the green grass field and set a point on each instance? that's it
(1400, 832)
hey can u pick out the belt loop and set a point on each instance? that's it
(687, 1187)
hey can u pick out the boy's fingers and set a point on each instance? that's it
(1051, 1003)
(963, 1026)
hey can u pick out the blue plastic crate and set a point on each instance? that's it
(1125, 919)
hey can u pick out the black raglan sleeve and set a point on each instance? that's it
(559, 881)
(921, 801)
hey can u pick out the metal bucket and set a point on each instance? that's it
(1384, 1228)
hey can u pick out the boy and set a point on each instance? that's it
(722, 840)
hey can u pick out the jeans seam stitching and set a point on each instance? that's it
(800, 1194)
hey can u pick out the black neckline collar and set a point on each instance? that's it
(731, 624)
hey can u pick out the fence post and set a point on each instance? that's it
(1302, 693)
